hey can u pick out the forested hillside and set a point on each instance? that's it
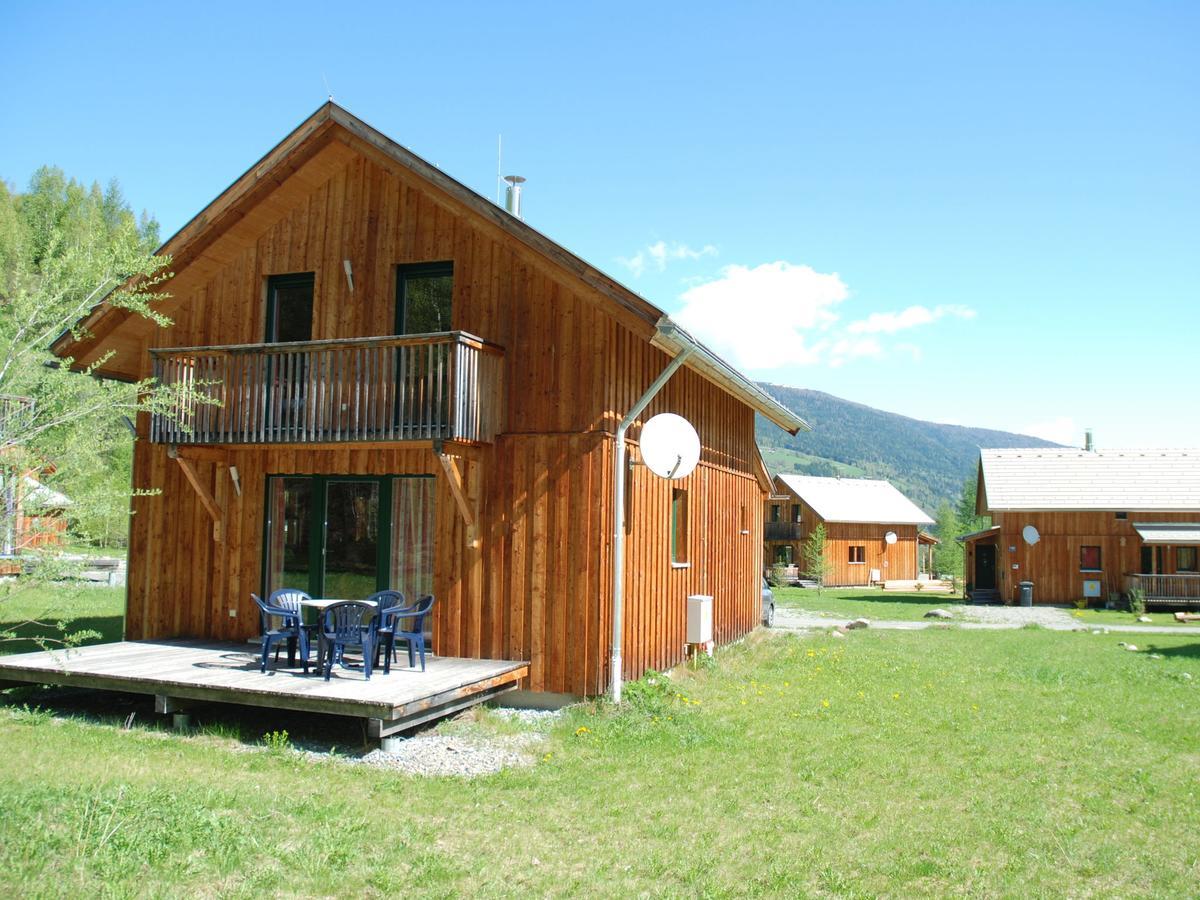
(926, 460)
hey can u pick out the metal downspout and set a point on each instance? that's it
(616, 673)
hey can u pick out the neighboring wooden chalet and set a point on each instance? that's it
(417, 390)
(32, 515)
(858, 514)
(1101, 520)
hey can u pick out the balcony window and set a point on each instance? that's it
(1089, 559)
(423, 295)
(1185, 559)
(290, 308)
(774, 512)
(796, 513)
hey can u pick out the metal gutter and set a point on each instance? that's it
(672, 339)
(616, 675)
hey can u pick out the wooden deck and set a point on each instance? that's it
(176, 671)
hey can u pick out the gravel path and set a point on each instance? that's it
(978, 618)
(464, 748)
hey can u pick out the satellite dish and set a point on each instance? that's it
(670, 446)
(890, 537)
(1030, 534)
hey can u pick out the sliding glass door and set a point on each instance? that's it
(347, 536)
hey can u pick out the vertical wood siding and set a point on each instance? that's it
(537, 585)
(1052, 564)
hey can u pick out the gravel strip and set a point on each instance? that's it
(1046, 616)
(461, 756)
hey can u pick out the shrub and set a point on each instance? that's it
(1137, 601)
(276, 741)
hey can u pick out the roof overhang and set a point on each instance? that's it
(672, 340)
(976, 535)
(1178, 533)
(925, 537)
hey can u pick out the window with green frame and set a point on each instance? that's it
(679, 526)
(423, 297)
(347, 536)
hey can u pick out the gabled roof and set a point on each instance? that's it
(1070, 479)
(331, 122)
(863, 500)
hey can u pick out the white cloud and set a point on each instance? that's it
(782, 314)
(764, 317)
(1061, 430)
(891, 322)
(661, 253)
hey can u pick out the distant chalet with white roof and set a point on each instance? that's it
(1088, 524)
(858, 514)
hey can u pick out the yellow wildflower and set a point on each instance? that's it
(896, 696)
(582, 730)
(825, 704)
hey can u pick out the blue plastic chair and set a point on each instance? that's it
(350, 623)
(413, 633)
(284, 605)
(387, 603)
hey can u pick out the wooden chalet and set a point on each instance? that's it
(1087, 524)
(399, 384)
(858, 514)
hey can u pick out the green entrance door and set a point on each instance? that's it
(346, 536)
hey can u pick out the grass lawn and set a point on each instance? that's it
(873, 603)
(1118, 617)
(1020, 763)
(38, 612)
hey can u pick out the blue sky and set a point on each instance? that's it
(980, 214)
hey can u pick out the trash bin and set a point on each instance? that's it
(1027, 593)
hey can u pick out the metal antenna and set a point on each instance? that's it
(328, 90)
(499, 167)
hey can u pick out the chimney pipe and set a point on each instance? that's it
(1088, 444)
(512, 194)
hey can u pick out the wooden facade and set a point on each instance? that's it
(1054, 564)
(857, 550)
(523, 509)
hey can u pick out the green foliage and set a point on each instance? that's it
(926, 461)
(814, 557)
(277, 741)
(64, 249)
(1136, 598)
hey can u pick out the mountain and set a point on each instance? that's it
(927, 461)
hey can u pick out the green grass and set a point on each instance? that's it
(53, 612)
(1118, 617)
(1022, 763)
(781, 459)
(872, 603)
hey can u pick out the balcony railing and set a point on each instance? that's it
(445, 386)
(15, 414)
(1175, 590)
(781, 531)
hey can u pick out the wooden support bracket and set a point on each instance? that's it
(454, 476)
(210, 504)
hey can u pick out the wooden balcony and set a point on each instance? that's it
(781, 531)
(15, 414)
(426, 387)
(1167, 590)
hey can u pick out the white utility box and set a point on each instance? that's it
(699, 619)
